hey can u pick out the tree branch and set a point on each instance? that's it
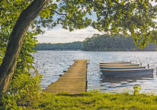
(118, 3)
(64, 15)
(58, 12)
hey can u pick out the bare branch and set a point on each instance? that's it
(58, 12)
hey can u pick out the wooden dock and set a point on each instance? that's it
(74, 80)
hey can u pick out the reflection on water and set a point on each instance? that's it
(124, 79)
(123, 82)
(58, 61)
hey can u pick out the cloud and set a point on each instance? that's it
(59, 35)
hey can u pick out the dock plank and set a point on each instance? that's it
(72, 81)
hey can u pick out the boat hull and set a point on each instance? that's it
(120, 62)
(122, 67)
(126, 72)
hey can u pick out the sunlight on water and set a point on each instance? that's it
(53, 63)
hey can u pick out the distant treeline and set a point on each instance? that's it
(59, 46)
(114, 43)
(98, 43)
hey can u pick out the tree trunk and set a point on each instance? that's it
(15, 42)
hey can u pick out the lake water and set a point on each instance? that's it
(53, 63)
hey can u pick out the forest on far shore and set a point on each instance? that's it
(59, 46)
(98, 43)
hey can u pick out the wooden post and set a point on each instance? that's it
(141, 64)
(60, 75)
(86, 86)
(86, 79)
(148, 66)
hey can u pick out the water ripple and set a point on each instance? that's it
(53, 63)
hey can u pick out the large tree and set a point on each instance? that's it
(16, 39)
(21, 16)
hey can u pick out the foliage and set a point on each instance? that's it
(136, 89)
(23, 91)
(133, 17)
(61, 46)
(114, 43)
(26, 59)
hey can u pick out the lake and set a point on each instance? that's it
(52, 63)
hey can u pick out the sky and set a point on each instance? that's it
(59, 35)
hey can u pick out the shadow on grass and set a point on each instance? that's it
(88, 93)
(73, 95)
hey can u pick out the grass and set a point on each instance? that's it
(95, 101)
(91, 100)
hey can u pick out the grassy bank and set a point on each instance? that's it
(95, 101)
(91, 100)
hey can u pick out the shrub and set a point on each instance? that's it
(22, 91)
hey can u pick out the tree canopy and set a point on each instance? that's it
(128, 17)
